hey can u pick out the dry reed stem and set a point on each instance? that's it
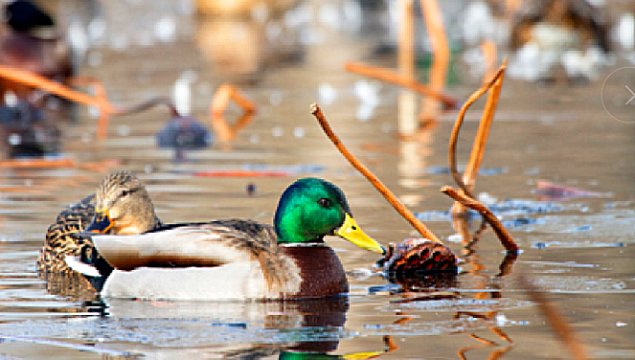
(440, 56)
(218, 106)
(478, 148)
(501, 232)
(99, 101)
(36, 81)
(36, 164)
(557, 321)
(457, 127)
(408, 123)
(409, 83)
(100, 96)
(388, 195)
(488, 47)
(405, 54)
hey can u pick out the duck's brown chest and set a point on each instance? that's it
(320, 269)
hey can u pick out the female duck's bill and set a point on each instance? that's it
(238, 259)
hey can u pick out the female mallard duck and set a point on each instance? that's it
(239, 259)
(121, 197)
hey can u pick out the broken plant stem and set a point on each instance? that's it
(219, 104)
(392, 199)
(391, 77)
(457, 127)
(501, 232)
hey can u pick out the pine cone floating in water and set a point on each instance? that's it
(418, 256)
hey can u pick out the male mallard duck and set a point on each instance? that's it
(30, 41)
(239, 259)
(121, 197)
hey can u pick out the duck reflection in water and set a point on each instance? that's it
(303, 329)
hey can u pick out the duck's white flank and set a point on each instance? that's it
(236, 281)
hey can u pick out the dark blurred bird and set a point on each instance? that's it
(24, 16)
(183, 133)
(30, 41)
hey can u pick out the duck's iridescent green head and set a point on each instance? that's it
(312, 208)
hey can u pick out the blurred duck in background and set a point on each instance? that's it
(240, 38)
(30, 41)
(547, 33)
(242, 7)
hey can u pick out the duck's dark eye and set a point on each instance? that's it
(324, 202)
(125, 193)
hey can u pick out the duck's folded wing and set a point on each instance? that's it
(199, 245)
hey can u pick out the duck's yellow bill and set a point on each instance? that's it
(101, 223)
(351, 232)
(362, 355)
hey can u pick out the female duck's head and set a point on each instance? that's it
(312, 208)
(123, 206)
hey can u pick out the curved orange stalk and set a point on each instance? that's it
(391, 77)
(457, 127)
(218, 106)
(58, 89)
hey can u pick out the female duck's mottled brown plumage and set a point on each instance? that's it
(59, 242)
(122, 195)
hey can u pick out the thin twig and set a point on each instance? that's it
(391, 77)
(557, 321)
(488, 47)
(440, 56)
(457, 127)
(392, 199)
(503, 235)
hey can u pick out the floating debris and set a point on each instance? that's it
(547, 190)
